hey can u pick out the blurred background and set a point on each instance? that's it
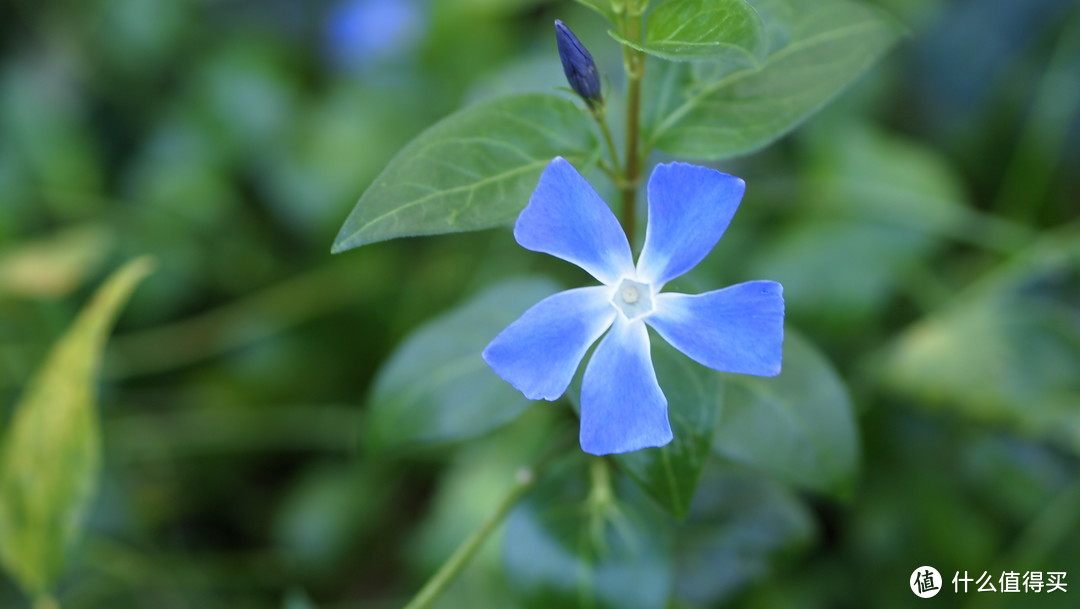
(924, 226)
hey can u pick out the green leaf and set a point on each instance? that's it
(670, 473)
(604, 7)
(724, 30)
(1006, 350)
(739, 524)
(50, 457)
(474, 169)
(815, 50)
(562, 550)
(436, 388)
(798, 426)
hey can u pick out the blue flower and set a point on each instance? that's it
(578, 65)
(359, 33)
(736, 329)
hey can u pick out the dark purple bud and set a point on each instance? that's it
(578, 65)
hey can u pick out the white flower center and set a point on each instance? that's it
(632, 298)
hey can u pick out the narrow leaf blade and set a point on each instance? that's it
(50, 457)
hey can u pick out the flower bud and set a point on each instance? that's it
(578, 65)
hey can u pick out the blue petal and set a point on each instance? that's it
(737, 329)
(622, 407)
(566, 218)
(689, 208)
(539, 353)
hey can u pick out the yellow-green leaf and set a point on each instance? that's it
(50, 456)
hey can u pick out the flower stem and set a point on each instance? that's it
(601, 120)
(525, 479)
(634, 64)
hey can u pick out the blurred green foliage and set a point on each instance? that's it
(924, 226)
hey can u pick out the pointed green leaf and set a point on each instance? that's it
(815, 50)
(725, 30)
(50, 457)
(670, 473)
(474, 169)
(798, 426)
(436, 387)
(562, 551)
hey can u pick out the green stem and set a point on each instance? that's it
(600, 493)
(601, 120)
(634, 64)
(468, 548)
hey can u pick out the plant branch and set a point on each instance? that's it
(601, 120)
(634, 64)
(524, 480)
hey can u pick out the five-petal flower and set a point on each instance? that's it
(736, 329)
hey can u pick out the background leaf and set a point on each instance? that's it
(1005, 351)
(436, 387)
(52, 267)
(474, 169)
(561, 551)
(887, 198)
(739, 525)
(798, 426)
(670, 473)
(723, 30)
(815, 50)
(49, 459)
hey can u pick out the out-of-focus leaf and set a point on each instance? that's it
(798, 426)
(875, 208)
(329, 157)
(247, 95)
(41, 118)
(329, 512)
(139, 35)
(815, 50)
(1007, 350)
(53, 266)
(670, 473)
(474, 169)
(562, 551)
(297, 599)
(49, 459)
(436, 387)
(739, 523)
(724, 30)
